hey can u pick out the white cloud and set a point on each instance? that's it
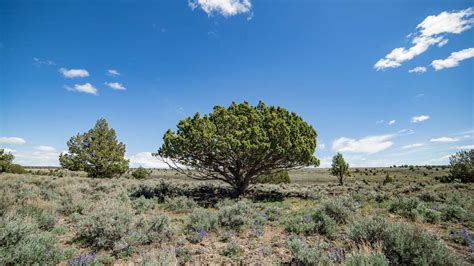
(325, 162)
(453, 60)
(417, 70)
(85, 88)
(6, 150)
(465, 147)
(415, 145)
(420, 118)
(444, 139)
(369, 145)
(440, 160)
(45, 148)
(113, 73)
(39, 62)
(74, 73)
(12, 140)
(115, 85)
(224, 7)
(39, 156)
(145, 159)
(432, 30)
(391, 122)
(322, 146)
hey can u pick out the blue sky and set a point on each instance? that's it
(382, 82)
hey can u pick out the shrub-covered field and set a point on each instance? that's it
(381, 216)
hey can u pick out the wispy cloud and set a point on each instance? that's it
(226, 8)
(12, 140)
(444, 139)
(379, 122)
(465, 147)
(113, 73)
(415, 145)
(84, 88)
(115, 85)
(391, 122)
(432, 30)
(145, 159)
(38, 156)
(454, 59)
(369, 144)
(74, 73)
(420, 118)
(45, 148)
(39, 62)
(417, 70)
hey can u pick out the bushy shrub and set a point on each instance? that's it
(366, 259)
(388, 179)
(403, 244)
(105, 225)
(302, 254)
(141, 173)
(325, 225)
(406, 207)
(6, 160)
(453, 213)
(233, 250)
(281, 177)
(200, 222)
(180, 203)
(462, 166)
(299, 223)
(158, 229)
(462, 237)
(429, 215)
(339, 209)
(235, 215)
(16, 169)
(23, 243)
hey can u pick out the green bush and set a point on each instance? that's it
(181, 203)
(159, 229)
(453, 213)
(388, 179)
(339, 209)
(141, 173)
(368, 231)
(429, 215)
(281, 177)
(462, 166)
(200, 223)
(234, 216)
(23, 243)
(406, 207)
(233, 250)
(299, 223)
(16, 169)
(364, 259)
(302, 254)
(105, 225)
(325, 225)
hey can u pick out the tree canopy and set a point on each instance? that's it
(97, 152)
(239, 143)
(462, 166)
(6, 160)
(339, 167)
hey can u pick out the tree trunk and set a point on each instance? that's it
(340, 180)
(242, 187)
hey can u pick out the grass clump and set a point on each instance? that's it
(359, 258)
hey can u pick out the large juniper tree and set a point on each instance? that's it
(339, 167)
(97, 152)
(462, 166)
(239, 143)
(6, 160)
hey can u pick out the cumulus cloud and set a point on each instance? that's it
(113, 72)
(432, 30)
(453, 60)
(417, 70)
(444, 139)
(74, 73)
(420, 118)
(38, 156)
(369, 145)
(85, 88)
(115, 85)
(391, 122)
(415, 145)
(12, 140)
(145, 159)
(465, 147)
(226, 8)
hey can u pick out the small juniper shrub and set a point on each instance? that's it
(301, 252)
(180, 204)
(141, 173)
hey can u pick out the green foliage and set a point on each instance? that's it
(325, 225)
(239, 143)
(180, 203)
(281, 177)
(141, 173)
(462, 166)
(339, 209)
(339, 167)
(96, 152)
(234, 216)
(233, 250)
(406, 207)
(200, 222)
(388, 179)
(302, 254)
(23, 243)
(364, 259)
(105, 225)
(158, 229)
(16, 169)
(6, 160)
(309, 223)
(402, 244)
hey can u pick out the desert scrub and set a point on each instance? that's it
(233, 250)
(200, 222)
(301, 253)
(325, 225)
(406, 207)
(22, 242)
(234, 216)
(158, 229)
(181, 204)
(339, 209)
(304, 222)
(366, 259)
(402, 244)
(105, 225)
